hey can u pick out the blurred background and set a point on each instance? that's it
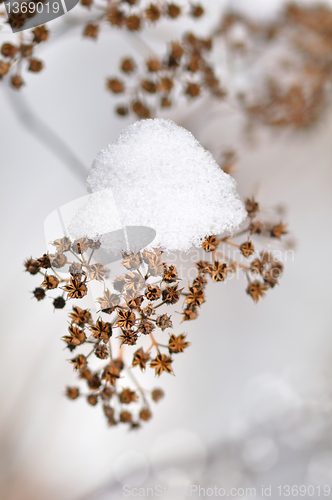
(251, 403)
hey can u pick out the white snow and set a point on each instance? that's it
(161, 177)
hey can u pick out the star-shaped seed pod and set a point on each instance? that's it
(75, 289)
(162, 363)
(101, 330)
(80, 316)
(126, 320)
(109, 301)
(177, 343)
(141, 358)
(97, 272)
(50, 282)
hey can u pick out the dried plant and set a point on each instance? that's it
(294, 83)
(129, 324)
(185, 70)
(293, 91)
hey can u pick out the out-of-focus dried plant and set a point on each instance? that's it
(292, 56)
(287, 62)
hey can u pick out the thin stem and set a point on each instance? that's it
(139, 387)
(154, 342)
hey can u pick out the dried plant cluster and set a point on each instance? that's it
(295, 86)
(135, 15)
(185, 70)
(135, 319)
(15, 58)
(294, 93)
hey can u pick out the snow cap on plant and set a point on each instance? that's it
(161, 177)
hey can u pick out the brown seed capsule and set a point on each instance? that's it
(115, 85)
(177, 50)
(257, 227)
(85, 374)
(197, 11)
(153, 292)
(86, 3)
(26, 50)
(122, 110)
(91, 30)
(171, 294)
(16, 81)
(32, 266)
(153, 65)
(101, 330)
(125, 417)
(39, 293)
(94, 382)
(165, 102)
(278, 230)
(92, 399)
(173, 10)
(58, 260)
(157, 394)
(44, 261)
(40, 34)
(149, 86)
(152, 13)
(247, 248)
(127, 396)
(8, 50)
(128, 337)
(145, 414)
(17, 20)
(75, 288)
(141, 110)
(256, 290)
(133, 23)
(140, 358)
(177, 344)
(164, 321)
(127, 65)
(252, 206)
(59, 303)
(193, 90)
(35, 66)
(145, 327)
(102, 351)
(79, 363)
(4, 68)
(165, 85)
(115, 17)
(107, 393)
(189, 315)
(194, 63)
(162, 363)
(50, 282)
(170, 274)
(72, 392)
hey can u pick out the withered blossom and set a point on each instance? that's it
(162, 363)
(101, 330)
(75, 289)
(177, 343)
(140, 358)
(97, 272)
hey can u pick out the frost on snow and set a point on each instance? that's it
(161, 177)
